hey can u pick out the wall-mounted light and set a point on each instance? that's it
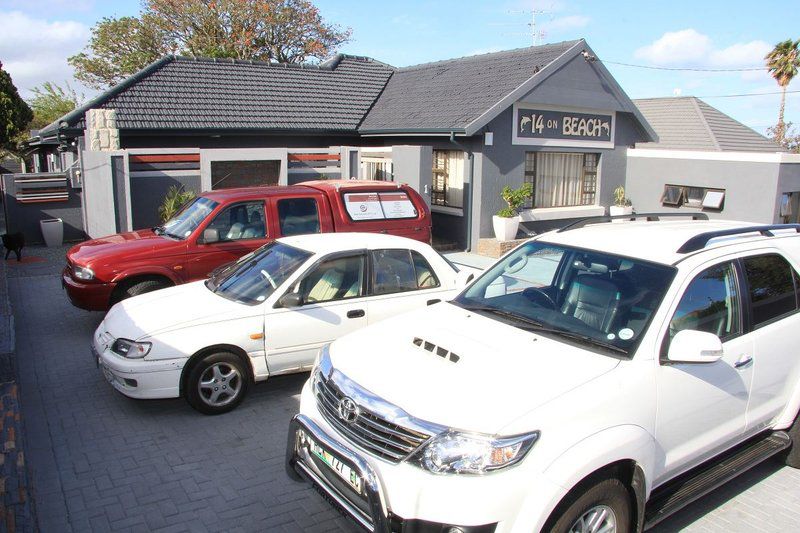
(488, 138)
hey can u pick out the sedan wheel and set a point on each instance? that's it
(217, 384)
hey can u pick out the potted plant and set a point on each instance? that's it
(622, 205)
(506, 221)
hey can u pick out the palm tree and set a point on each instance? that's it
(782, 63)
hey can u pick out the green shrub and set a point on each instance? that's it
(175, 198)
(515, 198)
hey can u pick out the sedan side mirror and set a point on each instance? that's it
(210, 235)
(463, 278)
(291, 299)
(691, 346)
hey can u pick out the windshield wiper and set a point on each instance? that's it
(158, 230)
(537, 327)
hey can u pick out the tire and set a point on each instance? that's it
(136, 288)
(792, 454)
(607, 499)
(217, 383)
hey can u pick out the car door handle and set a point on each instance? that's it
(434, 301)
(355, 313)
(743, 361)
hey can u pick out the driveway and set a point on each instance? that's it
(102, 462)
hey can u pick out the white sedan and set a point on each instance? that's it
(267, 314)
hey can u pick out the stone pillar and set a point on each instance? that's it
(101, 130)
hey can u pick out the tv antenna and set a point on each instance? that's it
(536, 35)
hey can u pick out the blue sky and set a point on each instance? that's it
(38, 35)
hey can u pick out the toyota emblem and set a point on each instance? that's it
(348, 410)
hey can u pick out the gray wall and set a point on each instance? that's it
(750, 187)
(148, 193)
(25, 217)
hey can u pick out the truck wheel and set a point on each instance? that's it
(604, 507)
(217, 383)
(141, 287)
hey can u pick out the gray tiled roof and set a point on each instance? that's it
(688, 123)
(450, 94)
(188, 93)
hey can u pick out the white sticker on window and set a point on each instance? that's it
(363, 206)
(626, 334)
(397, 205)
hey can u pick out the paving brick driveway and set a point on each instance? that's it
(102, 462)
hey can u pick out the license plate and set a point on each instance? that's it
(344, 471)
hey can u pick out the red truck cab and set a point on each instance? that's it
(220, 226)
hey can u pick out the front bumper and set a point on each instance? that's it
(140, 378)
(90, 296)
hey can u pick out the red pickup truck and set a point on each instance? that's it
(220, 226)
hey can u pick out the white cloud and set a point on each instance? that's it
(35, 50)
(690, 48)
(684, 47)
(563, 24)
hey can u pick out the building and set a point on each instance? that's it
(705, 161)
(458, 130)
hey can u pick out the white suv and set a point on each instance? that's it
(597, 378)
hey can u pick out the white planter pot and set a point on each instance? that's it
(505, 229)
(616, 210)
(52, 231)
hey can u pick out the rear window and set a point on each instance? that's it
(364, 206)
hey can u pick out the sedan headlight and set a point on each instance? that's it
(465, 453)
(84, 273)
(131, 349)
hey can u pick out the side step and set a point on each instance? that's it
(685, 489)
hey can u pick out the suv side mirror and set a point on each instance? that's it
(210, 235)
(691, 346)
(463, 278)
(291, 299)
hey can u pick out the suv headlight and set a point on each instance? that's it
(131, 349)
(84, 273)
(465, 453)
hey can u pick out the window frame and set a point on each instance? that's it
(384, 218)
(409, 251)
(684, 200)
(290, 198)
(752, 326)
(743, 308)
(439, 195)
(590, 173)
(212, 217)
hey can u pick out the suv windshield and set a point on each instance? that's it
(254, 277)
(600, 300)
(187, 219)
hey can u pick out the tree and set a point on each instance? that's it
(14, 113)
(51, 102)
(290, 31)
(118, 48)
(782, 63)
(790, 139)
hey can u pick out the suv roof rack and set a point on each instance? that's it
(698, 242)
(650, 217)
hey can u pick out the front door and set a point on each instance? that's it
(702, 407)
(239, 229)
(334, 303)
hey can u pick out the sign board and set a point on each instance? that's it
(397, 205)
(558, 127)
(363, 206)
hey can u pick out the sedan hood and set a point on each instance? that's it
(481, 374)
(166, 309)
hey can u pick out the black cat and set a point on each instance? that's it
(14, 242)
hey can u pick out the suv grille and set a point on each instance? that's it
(369, 431)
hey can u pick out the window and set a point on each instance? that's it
(239, 222)
(298, 216)
(334, 279)
(771, 283)
(448, 178)
(229, 174)
(561, 179)
(684, 195)
(710, 304)
(363, 206)
(401, 270)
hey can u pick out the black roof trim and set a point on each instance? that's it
(698, 242)
(650, 217)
